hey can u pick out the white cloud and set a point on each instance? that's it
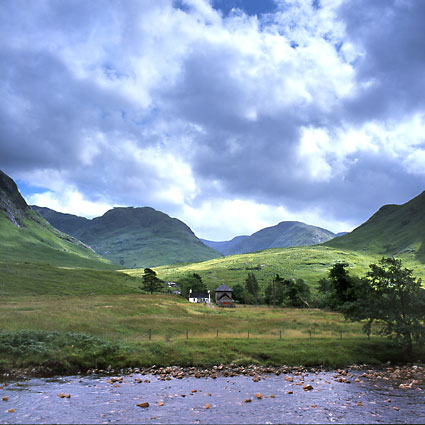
(71, 202)
(220, 220)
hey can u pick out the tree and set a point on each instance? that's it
(151, 282)
(395, 300)
(339, 288)
(238, 293)
(296, 293)
(275, 291)
(252, 288)
(194, 282)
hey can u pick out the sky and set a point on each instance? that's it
(231, 115)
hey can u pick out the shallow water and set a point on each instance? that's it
(95, 400)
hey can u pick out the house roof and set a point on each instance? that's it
(198, 295)
(224, 288)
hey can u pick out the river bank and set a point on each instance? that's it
(407, 376)
(42, 354)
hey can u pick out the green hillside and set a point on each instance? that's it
(283, 235)
(32, 280)
(25, 236)
(67, 223)
(308, 263)
(392, 230)
(135, 237)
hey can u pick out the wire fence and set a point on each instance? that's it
(275, 334)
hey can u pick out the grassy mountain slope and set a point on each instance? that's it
(392, 230)
(283, 235)
(308, 263)
(32, 280)
(67, 223)
(25, 236)
(135, 237)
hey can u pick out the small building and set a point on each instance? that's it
(224, 296)
(200, 297)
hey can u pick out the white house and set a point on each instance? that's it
(199, 297)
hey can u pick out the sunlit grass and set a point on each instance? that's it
(308, 263)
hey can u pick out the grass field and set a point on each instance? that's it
(24, 279)
(70, 319)
(84, 327)
(308, 263)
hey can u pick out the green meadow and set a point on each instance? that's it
(74, 333)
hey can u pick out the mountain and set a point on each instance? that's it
(134, 237)
(226, 247)
(25, 236)
(392, 230)
(283, 235)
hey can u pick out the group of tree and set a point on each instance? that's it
(388, 295)
(191, 282)
(249, 292)
(287, 293)
(279, 293)
(151, 283)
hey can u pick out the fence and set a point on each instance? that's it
(248, 334)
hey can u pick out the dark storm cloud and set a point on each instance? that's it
(45, 111)
(392, 34)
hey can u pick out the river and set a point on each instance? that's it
(314, 397)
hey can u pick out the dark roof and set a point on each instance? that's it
(224, 288)
(198, 295)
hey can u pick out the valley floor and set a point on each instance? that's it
(75, 333)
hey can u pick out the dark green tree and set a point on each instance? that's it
(395, 300)
(274, 293)
(151, 283)
(339, 288)
(251, 284)
(239, 293)
(296, 293)
(252, 289)
(194, 282)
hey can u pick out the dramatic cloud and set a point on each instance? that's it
(226, 114)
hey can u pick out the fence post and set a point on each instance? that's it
(280, 334)
(150, 334)
(309, 332)
(248, 333)
(187, 334)
(217, 333)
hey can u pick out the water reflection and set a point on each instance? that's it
(289, 398)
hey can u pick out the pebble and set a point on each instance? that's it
(144, 405)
